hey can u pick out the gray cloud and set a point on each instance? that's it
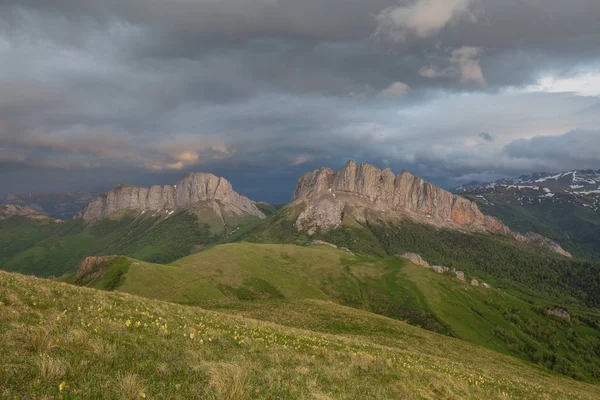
(486, 136)
(241, 87)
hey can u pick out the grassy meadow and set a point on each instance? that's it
(255, 279)
(60, 341)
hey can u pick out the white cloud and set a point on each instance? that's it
(395, 89)
(587, 84)
(468, 65)
(423, 18)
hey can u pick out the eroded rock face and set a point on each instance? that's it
(365, 186)
(89, 267)
(365, 193)
(189, 191)
(544, 242)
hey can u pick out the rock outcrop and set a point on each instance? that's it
(559, 312)
(12, 210)
(368, 194)
(460, 275)
(440, 269)
(474, 282)
(191, 190)
(90, 267)
(415, 259)
(543, 242)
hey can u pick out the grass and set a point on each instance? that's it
(66, 342)
(228, 276)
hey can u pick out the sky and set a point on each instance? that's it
(100, 92)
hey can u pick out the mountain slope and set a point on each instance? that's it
(281, 274)
(157, 224)
(59, 340)
(47, 249)
(563, 207)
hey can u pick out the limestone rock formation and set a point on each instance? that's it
(474, 282)
(190, 191)
(416, 259)
(460, 275)
(544, 242)
(367, 194)
(486, 285)
(12, 210)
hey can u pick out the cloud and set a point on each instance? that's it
(263, 90)
(575, 149)
(421, 18)
(464, 66)
(395, 89)
(486, 137)
(299, 161)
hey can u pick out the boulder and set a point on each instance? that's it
(474, 282)
(415, 259)
(559, 312)
(460, 275)
(439, 269)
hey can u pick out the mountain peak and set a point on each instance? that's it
(188, 192)
(367, 194)
(13, 210)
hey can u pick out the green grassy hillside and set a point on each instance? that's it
(573, 224)
(61, 341)
(274, 276)
(526, 271)
(46, 249)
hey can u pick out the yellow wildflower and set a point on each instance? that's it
(128, 323)
(62, 385)
(192, 336)
(143, 395)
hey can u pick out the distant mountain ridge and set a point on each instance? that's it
(195, 189)
(61, 205)
(562, 206)
(578, 181)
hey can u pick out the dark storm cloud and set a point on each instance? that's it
(486, 136)
(263, 90)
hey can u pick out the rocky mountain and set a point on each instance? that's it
(585, 182)
(199, 192)
(366, 194)
(10, 211)
(563, 206)
(57, 205)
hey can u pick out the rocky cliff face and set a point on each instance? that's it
(366, 186)
(11, 210)
(191, 190)
(365, 193)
